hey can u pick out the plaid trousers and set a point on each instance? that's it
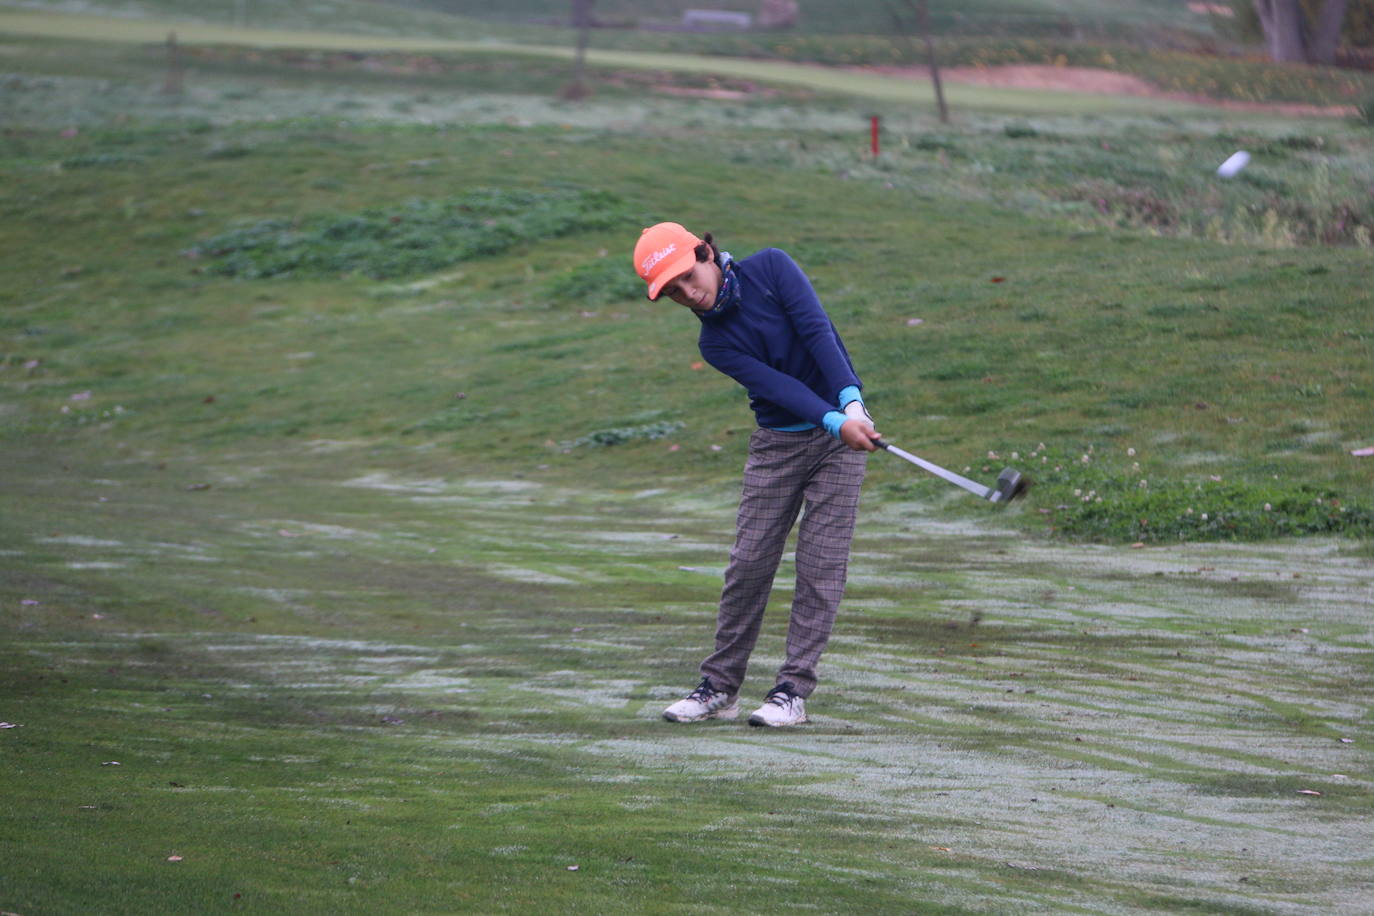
(785, 472)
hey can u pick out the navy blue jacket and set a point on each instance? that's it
(779, 343)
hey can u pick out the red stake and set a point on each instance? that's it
(873, 134)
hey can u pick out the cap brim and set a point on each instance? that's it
(670, 271)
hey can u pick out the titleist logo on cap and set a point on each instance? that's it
(657, 256)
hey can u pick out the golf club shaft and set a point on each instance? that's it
(958, 480)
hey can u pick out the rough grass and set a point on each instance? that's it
(419, 237)
(1229, 332)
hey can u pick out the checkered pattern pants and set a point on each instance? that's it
(786, 472)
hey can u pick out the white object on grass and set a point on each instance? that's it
(1234, 163)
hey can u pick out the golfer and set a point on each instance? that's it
(762, 325)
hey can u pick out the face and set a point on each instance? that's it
(697, 288)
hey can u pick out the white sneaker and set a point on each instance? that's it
(782, 707)
(706, 702)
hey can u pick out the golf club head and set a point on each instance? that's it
(1010, 485)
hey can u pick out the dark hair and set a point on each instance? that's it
(707, 250)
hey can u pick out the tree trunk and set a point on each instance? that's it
(582, 21)
(172, 85)
(1282, 24)
(1326, 36)
(902, 29)
(923, 15)
(580, 60)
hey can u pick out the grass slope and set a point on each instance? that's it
(1202, 358)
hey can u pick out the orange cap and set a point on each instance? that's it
(664, 252)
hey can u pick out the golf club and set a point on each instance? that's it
(1010, 483)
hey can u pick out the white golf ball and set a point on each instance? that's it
(1237, 161)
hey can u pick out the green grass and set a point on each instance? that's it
(1158, 19)
(374, 588)
(1113, 500)
(421, 236)
(358, 16)
(789, 75)
(343, 680)
(1232, 327)
(154, 32)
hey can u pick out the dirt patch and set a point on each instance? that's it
(1099, 82)
(1063, 79)
(687, 85)
(1212, 9)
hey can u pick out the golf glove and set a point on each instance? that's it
(855, 410)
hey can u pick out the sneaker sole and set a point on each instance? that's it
(759, 721)
(729, 712)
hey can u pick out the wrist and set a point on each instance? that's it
(832, 421)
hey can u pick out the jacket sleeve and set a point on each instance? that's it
(762, 380)
(812, 325)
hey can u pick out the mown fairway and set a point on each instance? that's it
(351, 680)
(318, 596)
